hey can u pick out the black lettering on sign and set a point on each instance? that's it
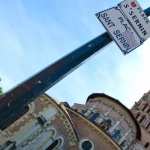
(107, 20)
(127, 27)
(137, 21)
(121, 39)
(116, 32)
(140, 26)
(134, 17)
(104, 15)
(126, 5)
(131, 13)
(144, 33)
(122, 21)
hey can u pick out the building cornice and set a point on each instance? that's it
(95, 127)
(96, 95)
(63, 110)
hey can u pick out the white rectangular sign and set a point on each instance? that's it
(119, 29)
(136, 16)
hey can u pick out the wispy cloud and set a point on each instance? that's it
(6, 82)
(33, 36)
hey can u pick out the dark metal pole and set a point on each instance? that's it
(147, 11)
(12, 103)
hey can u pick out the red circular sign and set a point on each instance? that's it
(133, 4)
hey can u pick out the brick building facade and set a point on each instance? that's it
(141, 111)
(101, 123)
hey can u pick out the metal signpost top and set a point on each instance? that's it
(127, 24)
(119, 29)
(13, 101)
(136, 16)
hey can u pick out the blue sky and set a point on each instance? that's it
(35, 33)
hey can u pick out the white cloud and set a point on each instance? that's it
(134, 75)
(126, 80)
(6, 82)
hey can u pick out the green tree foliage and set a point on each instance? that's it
(1, 90)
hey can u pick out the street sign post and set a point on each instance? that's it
(136, 16)
(119, 29)
(14, 101)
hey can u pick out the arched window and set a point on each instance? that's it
(148, 125)
(83, 111)
(142, 119)
(137, 115)
(123, 144)
(41, 119)
(116, 135)
(146, 145)
(9, 145)
(106, 124)
(55, 144)
(148, 111)
(52, 132)
(144, 107)
(86, 144)
(94, 117)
